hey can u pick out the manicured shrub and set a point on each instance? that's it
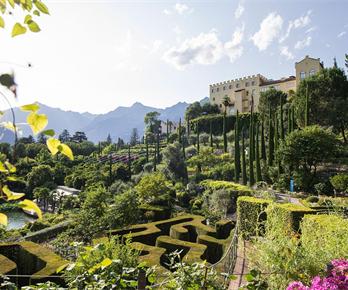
(340, 182)
(312, 199)
(328, 231)
(251, 215)
(289, 215)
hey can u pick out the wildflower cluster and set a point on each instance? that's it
(336, 279)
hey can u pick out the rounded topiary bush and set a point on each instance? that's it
(312, 199)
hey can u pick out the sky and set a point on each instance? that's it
(97, 55)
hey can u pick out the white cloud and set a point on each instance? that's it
(311, 29)
(284, 50)
(205, 49)
(233, 48)
(167, 12)
(240, 10)
(182, 8)
(156, 45)
(300, 22)
(303, 43)
(341, 34)
(269, 30)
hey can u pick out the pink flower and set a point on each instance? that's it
(297, 286)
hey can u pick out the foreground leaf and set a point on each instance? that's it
(30, 108)
(2, 22)
(33, 26)
(3, 219)
(18, 29)
(52, 145)
(30, 205)
(41, 6)
(65, 149)
(8, 125)
(48, 132)
(37, 122)
(10, 194)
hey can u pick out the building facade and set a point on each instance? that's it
(244, 92)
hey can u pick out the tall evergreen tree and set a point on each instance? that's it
(276, 132)
(251, 152)
(307, 108)
(244, 174)
(257, 155)
(211, 133)
(263, 142)
(108, 139)
(281, 124)
(179, 132)
(226, 102)
(293, 121)
(167, 133)
(64, 136)
(270, 138)
(289, 120)
(197, 132)
(129, 161)
(134, 138)
(236, 149)
(158, 159)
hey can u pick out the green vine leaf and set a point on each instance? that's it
(36, 12)
(10, 194)
(30, 205)
(30, 108)
(27, 18)
(52, 145)
(49, 132)
(41, 6)
(2, 22)
(37, 122)
(65, 150)
(3, 219)
(18, 29)
(33, 26)
(12, 3)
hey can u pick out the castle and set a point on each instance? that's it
(241, 91)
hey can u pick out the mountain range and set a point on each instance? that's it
(118, 123)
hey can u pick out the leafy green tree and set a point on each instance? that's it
(134, 137)
(154, 187)
(270, 99)
(174, 161)
(79, 137)
(303, 150)
(108, 139)
(327, 98)
(193, 111)
(64, 136)
(43, 194)
(41, 138)
(152, 122)
(39, 176)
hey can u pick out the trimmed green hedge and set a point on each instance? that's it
(160, 212)
(34, 260)
(251, 215)
(216, 119)
(289, 215)
(324, 238)
(7, 266)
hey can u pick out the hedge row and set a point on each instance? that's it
(31, 259)
(188, 233)
(216, 120)
(324, 238)
(251, 215)
(289, 215)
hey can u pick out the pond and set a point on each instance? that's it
(17, 219)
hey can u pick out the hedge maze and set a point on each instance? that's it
(188, 234)
(37, 263)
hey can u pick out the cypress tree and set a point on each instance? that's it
(293, 121)
(244, 175)
(197, 129)
(289, 120)
(270, 137)
(251, 151)
(281, 125)
(276, 133)
(236, 149)
(257, 155)
(188, 129)
(263, 143)
(155, 160)
(179, 131)
(167, 131)
(183, 146)
(307, 108)
(224, 131)
(158, 149)
(211, 133)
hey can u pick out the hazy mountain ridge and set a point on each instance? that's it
(117, 123)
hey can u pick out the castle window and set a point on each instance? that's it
(312, 72)
(224, 88)
(230, 86)
(217, 89)
(220, 105)
(214, 99)
(247, 84)
(302, 75)
(237, 85)
(212, 90)
(253, 83)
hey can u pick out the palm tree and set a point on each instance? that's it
(226, 101)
